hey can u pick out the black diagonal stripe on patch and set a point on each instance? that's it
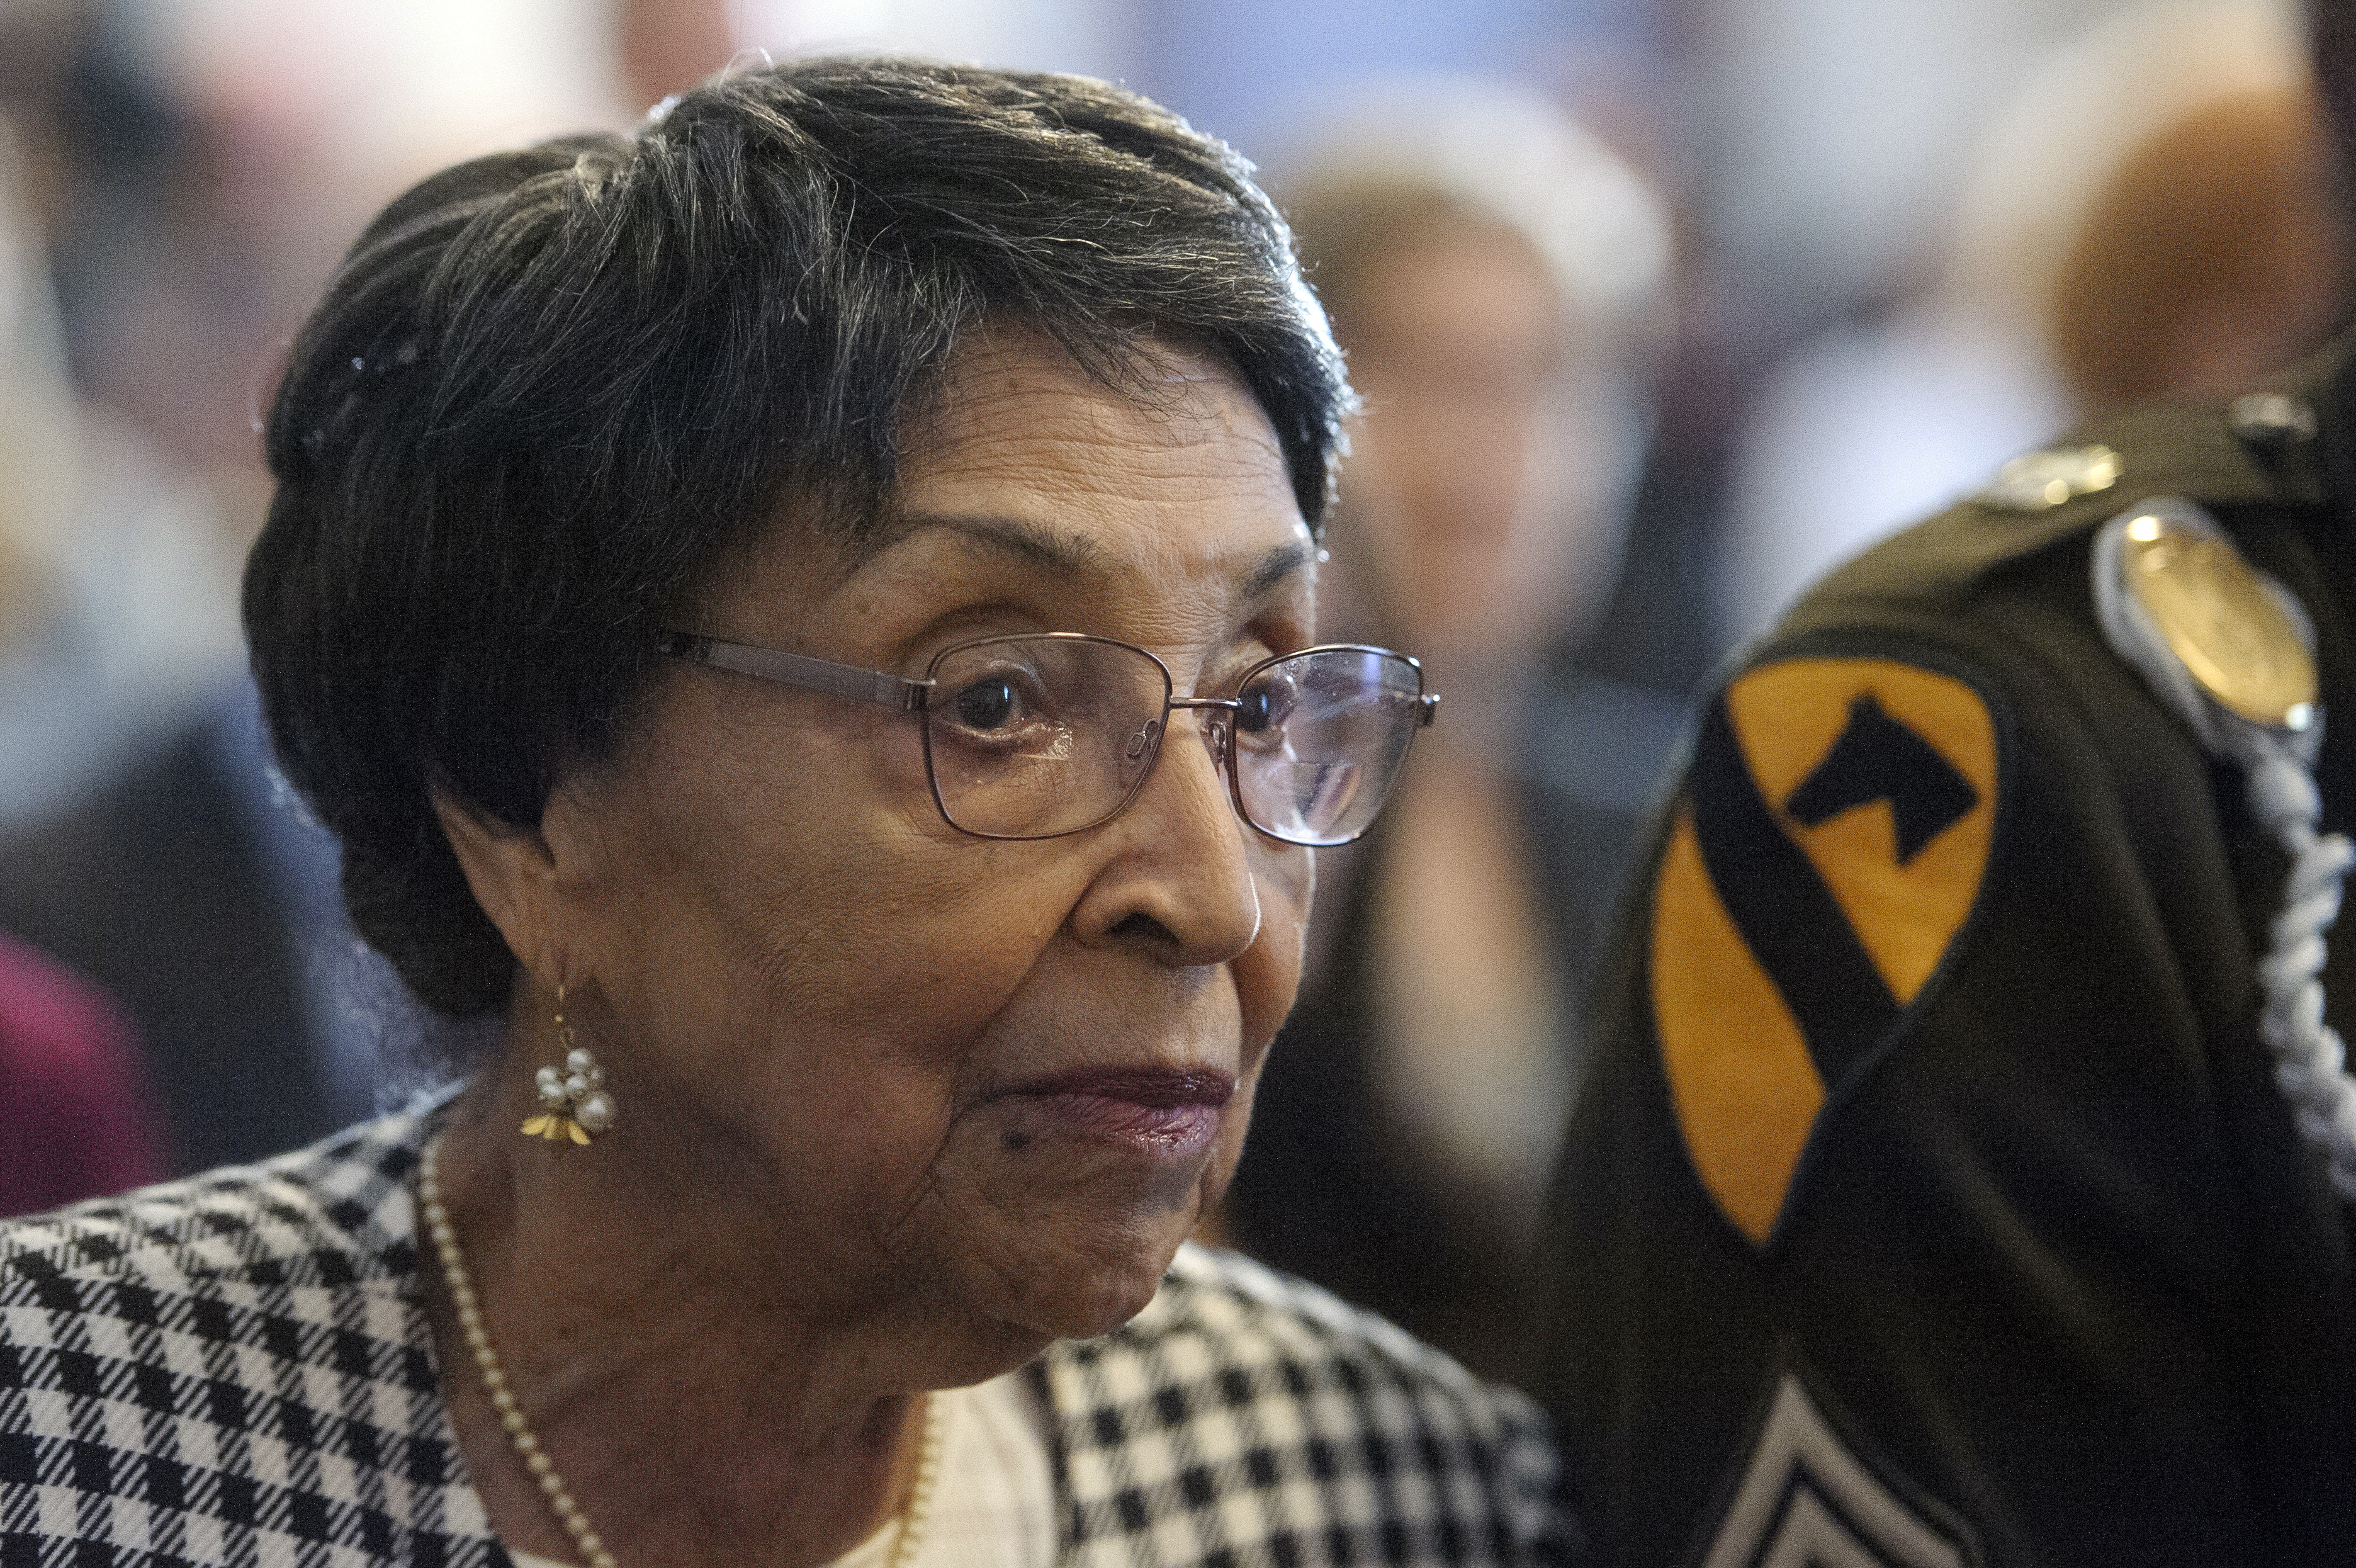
(1788, 918)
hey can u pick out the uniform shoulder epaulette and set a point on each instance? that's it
(2257, 450)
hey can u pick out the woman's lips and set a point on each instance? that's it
(1170, 1113)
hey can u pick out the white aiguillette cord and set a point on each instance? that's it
(2278, 769)
(586, 1540)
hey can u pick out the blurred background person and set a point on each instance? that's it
(1495, 275)
(194, 170)
(75, 1117)
(105, 562)
(2148, 218)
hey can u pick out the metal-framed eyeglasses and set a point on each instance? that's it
(1053, 733)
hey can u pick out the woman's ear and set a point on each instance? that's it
(513, 876)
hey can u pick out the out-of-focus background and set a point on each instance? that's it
(1661, 307)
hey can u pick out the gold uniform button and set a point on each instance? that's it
(2041, 479)
(2269, 421)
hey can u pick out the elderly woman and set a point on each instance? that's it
(803, 619)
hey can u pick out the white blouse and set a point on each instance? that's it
(994, 1504)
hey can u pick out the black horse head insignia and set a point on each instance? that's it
(1879, 758)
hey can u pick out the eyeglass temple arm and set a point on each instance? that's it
(800, 670)
(1427, 709)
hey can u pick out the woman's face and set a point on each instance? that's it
(940, 1069)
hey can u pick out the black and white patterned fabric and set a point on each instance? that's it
(236, 1369)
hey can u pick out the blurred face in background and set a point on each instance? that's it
(2214, 255)
(199, 166)
(1477, 518)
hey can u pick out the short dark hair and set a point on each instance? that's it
(549, 391)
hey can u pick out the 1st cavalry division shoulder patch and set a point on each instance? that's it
(1837, 822)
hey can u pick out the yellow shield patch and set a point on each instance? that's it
(1837, 824)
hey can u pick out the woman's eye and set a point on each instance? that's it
(984, 704)
(1265, 703)
(1256, 711)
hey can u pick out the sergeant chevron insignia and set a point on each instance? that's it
(1807, 1500)
(1837, 827)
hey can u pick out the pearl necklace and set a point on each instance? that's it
(585, 1539)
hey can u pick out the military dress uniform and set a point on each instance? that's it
(1933, 1199)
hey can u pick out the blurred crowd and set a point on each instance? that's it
(1657, 311)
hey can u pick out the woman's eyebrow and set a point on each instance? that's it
(1065, 554)
(1274, 567)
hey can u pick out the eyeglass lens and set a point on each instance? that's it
(1033, 736)
(1319, 741)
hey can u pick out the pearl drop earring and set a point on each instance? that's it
(572, 1099)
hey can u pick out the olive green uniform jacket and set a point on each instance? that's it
(1930, 1200)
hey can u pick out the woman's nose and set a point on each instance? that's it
(1177, 875)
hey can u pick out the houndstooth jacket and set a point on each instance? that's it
(235, 1369)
